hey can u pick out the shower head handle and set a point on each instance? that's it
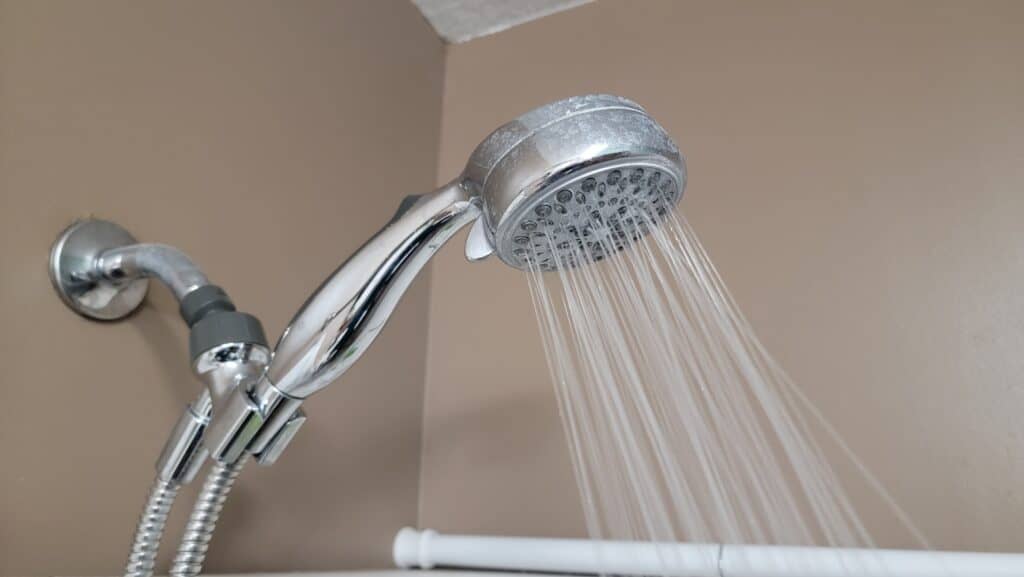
(336, 325)
(343, 317)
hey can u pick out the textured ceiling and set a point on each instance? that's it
(461, 20)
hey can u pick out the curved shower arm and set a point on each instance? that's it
(169, 265)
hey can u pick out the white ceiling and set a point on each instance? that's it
(461, 20)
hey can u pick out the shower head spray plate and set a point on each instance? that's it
(569, 167)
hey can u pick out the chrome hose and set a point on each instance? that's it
(142, 558)
(203, 520)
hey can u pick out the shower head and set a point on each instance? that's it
(563, 184)
(571, 170)
(553, 179)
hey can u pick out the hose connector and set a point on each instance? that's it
(183, 453)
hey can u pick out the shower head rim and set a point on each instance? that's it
(510, 135)
(531, 155)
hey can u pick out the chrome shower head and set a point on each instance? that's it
(591, 166)
(558, 178)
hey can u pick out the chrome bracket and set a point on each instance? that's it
(281, 439)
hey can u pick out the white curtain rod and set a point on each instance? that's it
(428, 549)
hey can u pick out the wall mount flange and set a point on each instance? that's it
(76, 276)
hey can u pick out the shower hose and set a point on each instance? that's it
(203, 520)
(151, 528)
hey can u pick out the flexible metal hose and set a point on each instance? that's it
(142, 558)
(203, 520)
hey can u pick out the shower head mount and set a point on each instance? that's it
(78, 280)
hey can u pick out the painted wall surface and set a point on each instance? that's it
(266, 139)
(856, 172)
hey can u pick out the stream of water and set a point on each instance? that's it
(681, 425)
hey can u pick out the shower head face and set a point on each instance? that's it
(574, 181)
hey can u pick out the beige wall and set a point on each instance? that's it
(856, 172)
(268, 140)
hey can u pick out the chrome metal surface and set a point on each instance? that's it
(80, 284)
(223, 369)
(342, 318)
(229, 371)
(230, 366)
(183, 454)
(202, 522)
(150, 529)
(518, 168)
(548, 171)
(166, 263)
(237, 421)
(336, 325)
(101, 271)
(269, 455)
(276, 409)
(524, 165)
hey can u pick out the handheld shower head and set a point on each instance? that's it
(549, 177)
(553, 173)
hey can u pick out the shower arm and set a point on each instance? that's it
(338, 323)
(145, 260)
(101, 272)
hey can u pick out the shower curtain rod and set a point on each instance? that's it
(428, 549)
